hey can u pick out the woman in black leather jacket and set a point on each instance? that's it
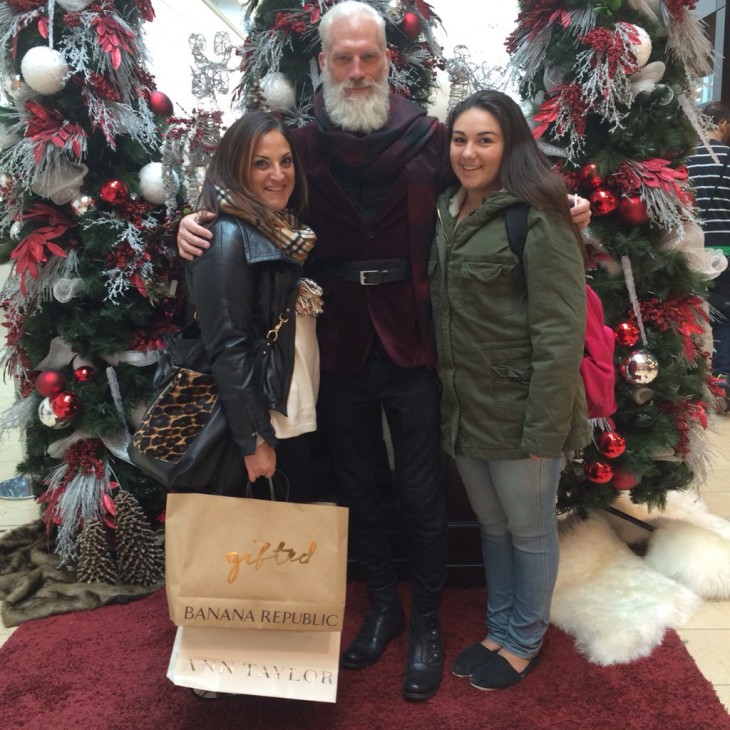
(249, 297)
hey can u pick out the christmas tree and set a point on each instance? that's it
(91, 293)
(280, 52)
(611, 87)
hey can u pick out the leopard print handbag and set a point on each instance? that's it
(183, 440)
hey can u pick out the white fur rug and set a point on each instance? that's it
(618, 605)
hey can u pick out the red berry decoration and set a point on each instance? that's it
(589, 178)
(66, 405)
(627, 334)
(50, 383)
(411, 25)
(114, 192)
(611, 444)
(602, 202)
(632, 211)
(160, 104)
(83, 374)
(598, 472)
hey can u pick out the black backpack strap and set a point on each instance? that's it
(515, 220)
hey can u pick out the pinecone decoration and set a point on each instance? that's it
(256, 98)
(95, 563)
(140, 556)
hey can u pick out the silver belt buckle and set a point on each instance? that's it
(363, 274)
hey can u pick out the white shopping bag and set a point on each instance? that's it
(301, 665)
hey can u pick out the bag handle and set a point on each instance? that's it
(272, 488)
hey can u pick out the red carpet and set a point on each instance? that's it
(105, 670)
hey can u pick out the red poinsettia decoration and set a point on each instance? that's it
(47, 126)
(532, 17)
(145, 10)
(564, 107)
(31, 252)
(34, 249)
(154, 338)
(113, 38)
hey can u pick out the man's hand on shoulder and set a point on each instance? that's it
(580, 209)
(192, 237)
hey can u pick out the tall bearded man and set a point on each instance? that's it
(373, 162)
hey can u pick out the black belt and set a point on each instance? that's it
(367, 273)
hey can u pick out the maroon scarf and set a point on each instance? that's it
(385, 152)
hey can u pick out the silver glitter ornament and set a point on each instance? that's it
(82, 204)
(640, 367)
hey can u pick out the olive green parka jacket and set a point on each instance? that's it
(509, 350)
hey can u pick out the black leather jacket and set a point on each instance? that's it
(239, 287)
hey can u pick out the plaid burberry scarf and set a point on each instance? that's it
(287, 233)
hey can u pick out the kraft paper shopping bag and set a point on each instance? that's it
(255, 564)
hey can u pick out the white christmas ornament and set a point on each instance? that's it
(279, 92)
(645, 81)
(152, 183)
(642, 49)
(44, 70)
(73, 6)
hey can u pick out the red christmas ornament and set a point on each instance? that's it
(632, 211)
(114, 192)
(411, 25)
(623, 480)
(682, 172)
(83, 374)
(589, 178)
(160, 104)
(66, 405)
(598, 472)
(602, 202)
(50, 383)
(627, 334)
(611, 444)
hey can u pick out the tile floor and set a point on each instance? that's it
(707, 634)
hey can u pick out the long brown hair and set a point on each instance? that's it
(230, 169)
(525, 170)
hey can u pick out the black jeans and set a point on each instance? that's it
(350, 417)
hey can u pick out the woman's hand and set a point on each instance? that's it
(262, 463)
(192, 237)
(580, 209)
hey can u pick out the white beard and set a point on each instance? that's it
(356, 114)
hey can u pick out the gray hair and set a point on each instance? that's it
(348, 9)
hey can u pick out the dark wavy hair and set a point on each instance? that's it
(718, 111)
(525, 170)
(230, 168)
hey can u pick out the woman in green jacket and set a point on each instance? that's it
(510, 338)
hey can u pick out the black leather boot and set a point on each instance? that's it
(425, 657)
(383, 621)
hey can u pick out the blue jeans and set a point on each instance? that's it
(514, 501)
